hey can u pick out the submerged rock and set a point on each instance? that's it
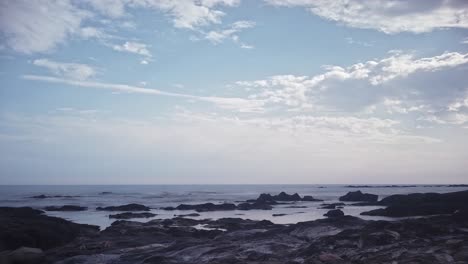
(66, 208)
(358, 196)
(129, 215)
(127, 207)
(254, 206)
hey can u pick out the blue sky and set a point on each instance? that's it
(232, 91)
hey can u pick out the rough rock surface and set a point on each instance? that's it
(335, 240)
(358, 196)
(334, 213)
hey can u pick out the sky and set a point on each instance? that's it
(233, 91)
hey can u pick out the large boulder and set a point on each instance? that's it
(127, 207)
(358, 196)
(27, 227)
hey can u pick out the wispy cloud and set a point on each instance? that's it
(74, 71)
(231, 103)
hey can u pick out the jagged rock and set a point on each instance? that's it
(127, 207)
(309, 198)
(334, 213)
(358, 196)
(66, 208)
(129, 215)
(331, 206)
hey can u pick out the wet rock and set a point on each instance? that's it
(66, 208)
(188, 215)
(420, 204)
(105, 193)
(28, 227)
(207, 207)
(127, 207)
(254, 206)
(358, 196)
(129, 215)
(334, 213)
(309, 198)
(43, 196)
(331, 206)
(275, 215)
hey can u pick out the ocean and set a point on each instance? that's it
(157, 196)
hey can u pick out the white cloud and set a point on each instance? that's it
(111, 8)
(230, 32)
(133, 47)
(230, 103)
(38, 26)
(337, 83)
(74, 71)
(388, 16)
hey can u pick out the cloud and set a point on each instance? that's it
(388, 16)
(38, 26)
(361, 84)
(110, 8)
(231, 32)
(230, 103)
(133, 47)
(74, 71)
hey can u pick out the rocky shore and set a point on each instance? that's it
(29, 236)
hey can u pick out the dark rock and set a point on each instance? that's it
(358, 196)
(254, 206)
(28, 227)
(127, 207)
(207, 207)
(275, 215)
(129, 215)
(420, 204)
(43, 196)
(282, 196)
(188, 215)
(334, 213)
(309, 198)
(66, 208)
(105, 193)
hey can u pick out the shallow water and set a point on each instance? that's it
(157, 196)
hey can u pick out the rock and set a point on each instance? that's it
(128, 215)
(28, 227)
(254, 206)
(23, 255)
(43, 196)
(188, 215)
(329, 258)
(358, 196)
(275, 215)
(207, 207)
(105, 193)
(282, 196)
(127, 207)
(421, 204)
(66, 208)
(334, 213)
(309, 198)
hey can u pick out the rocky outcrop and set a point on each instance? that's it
(22, 255)
(421, 204)
(283, 197)
(129, 215)
(27, 227)
(342, 239)
(334, 213)
(254, 206)
(128, 207)
(358, 196)
(43, 196)
(66, 208)
(331, 205)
